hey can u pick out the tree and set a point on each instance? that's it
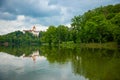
(77, 24)
(50, 35)
(62, 33)
(116, 30)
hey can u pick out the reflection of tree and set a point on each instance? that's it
(55, 54)
(92, 63)
(97, 65)
(19, 50)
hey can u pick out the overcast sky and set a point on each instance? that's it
(23, 14)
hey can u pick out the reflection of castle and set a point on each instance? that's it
(34, 56)
(33, 31)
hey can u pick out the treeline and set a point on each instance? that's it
(99, 25)
(19, 38)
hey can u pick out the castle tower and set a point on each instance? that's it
(33, 31)
(34, 28)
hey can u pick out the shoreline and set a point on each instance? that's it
(107, 45)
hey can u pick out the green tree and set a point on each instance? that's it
(62, 33)
(50, 35)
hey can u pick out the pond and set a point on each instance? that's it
(55, 63)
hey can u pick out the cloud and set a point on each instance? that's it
(32, 8)
(50, 8)
(21, 23)
(7, 16)
(21, 17)
(27, 13)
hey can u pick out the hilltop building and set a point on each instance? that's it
(33, 31)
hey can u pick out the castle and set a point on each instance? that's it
(33, 31)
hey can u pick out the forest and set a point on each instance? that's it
(19, 38)
(99, 25)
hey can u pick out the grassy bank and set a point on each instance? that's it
(108, 45)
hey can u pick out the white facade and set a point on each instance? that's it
(33, 31)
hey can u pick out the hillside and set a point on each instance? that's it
(99, 25)
(19, 38)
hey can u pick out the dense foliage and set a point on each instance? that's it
(19, 38)
(99, 25)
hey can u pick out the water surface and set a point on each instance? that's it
(52, 63)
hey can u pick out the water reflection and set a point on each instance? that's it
(94, 64)
(59, 63)
(34, 56)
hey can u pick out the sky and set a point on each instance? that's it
(23, 14)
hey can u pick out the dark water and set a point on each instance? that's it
(52, 63)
